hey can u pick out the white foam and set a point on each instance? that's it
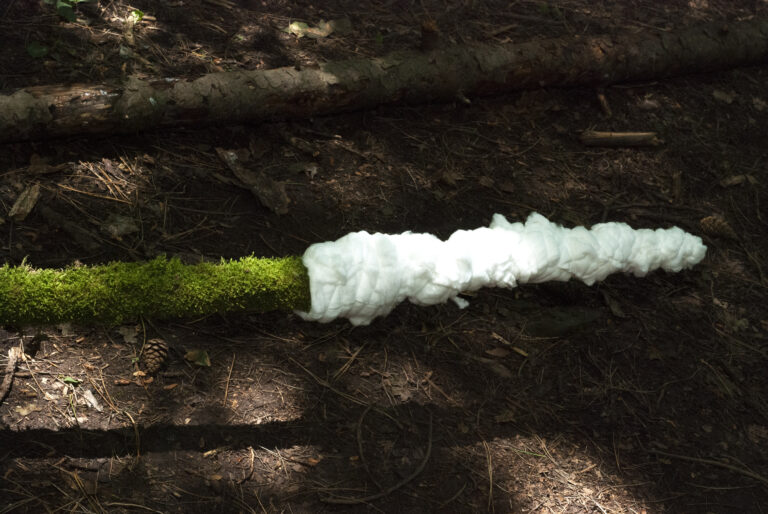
(362, 276)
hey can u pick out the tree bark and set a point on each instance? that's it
(403, 77)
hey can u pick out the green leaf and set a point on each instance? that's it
(37, 49)
(71, 380)
(198, 357)
(136, 15)
(65, 10)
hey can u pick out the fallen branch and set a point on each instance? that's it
(361, 276)
(443, 74)
(158, 289)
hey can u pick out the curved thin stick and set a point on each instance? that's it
(385, 492)
(360, 447)
(713, 462)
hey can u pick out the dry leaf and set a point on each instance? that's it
(500, 370)
(129, 333)
(309, 168)
(735, 180)
(198, 357)
(117, 226)
(170, 386)
(648, 104)
(498, 352)
(91, 400)
(270, 193)
(506, 416)
(27, 409)
(613, 305)
(451, 176)
(723, 96)
(25, 203)
(486, 181)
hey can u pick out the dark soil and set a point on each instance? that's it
(634, 395)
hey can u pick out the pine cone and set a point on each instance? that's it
(154, 355)
(716, 226)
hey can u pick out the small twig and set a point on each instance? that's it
(489, 461)
(456, 495)
(360, 446)
(250, 473)
(326, 384)
(389, 490)
(344, 395)
(135, 433)
(598, 506)
(343, 369)
(617, 139)
(229, 377)
(227, 4)
(713, 462)
(13, 358)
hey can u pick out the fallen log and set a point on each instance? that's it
(360, 276)
(441, 74)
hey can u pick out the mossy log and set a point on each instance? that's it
(158, 289)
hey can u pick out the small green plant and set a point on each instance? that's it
(136, 16)
(37, 49)
(66, 8)
(70, 380)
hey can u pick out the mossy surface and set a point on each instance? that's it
(161, 288)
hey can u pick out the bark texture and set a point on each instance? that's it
(412, 77)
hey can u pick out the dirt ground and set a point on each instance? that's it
(637, 395)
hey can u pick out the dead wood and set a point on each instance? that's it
(440, 74)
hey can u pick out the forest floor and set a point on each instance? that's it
(636, 395)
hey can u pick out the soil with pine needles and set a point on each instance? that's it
(635, 395)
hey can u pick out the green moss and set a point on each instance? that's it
(158, 289)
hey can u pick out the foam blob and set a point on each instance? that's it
(362, 276)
